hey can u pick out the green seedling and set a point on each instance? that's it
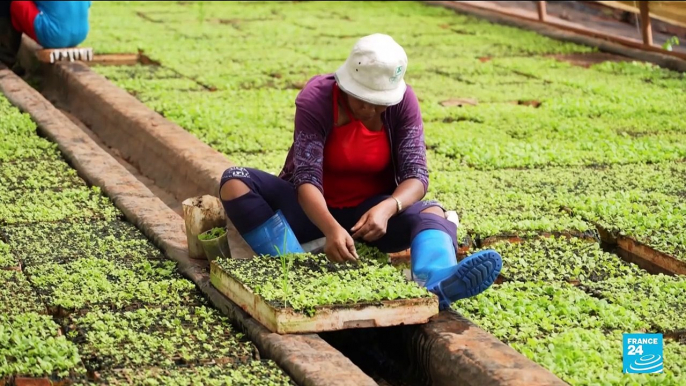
(286, 260)
(673, 41)
(212, 233)
(314, 281)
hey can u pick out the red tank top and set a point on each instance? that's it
(357, 162)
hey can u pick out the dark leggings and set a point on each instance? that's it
(269, 193)
(5, 9)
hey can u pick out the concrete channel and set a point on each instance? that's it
(147, 165)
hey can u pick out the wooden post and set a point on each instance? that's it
(541, 11)
(646, 29)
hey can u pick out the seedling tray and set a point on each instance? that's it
(646, 257)
(325, 318)
(649, 258)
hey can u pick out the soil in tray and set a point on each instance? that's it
(257, 372)
(63, 242)
(162, 337)
(16, 294)
(313, 281)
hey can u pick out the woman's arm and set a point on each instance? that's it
(308, 158)
(408, 192)
(339, 245)
(372, 225)
(409, 143)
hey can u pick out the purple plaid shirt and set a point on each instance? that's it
(314, 121)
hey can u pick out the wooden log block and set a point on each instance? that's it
(200, 214)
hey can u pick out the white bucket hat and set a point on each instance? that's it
(374, 71)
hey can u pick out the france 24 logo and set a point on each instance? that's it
(643, 353)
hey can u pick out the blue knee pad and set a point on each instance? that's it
(434, 266)
(274, 237)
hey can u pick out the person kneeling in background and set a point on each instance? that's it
(52, 24)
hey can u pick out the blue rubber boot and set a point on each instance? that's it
(434, 266)
(273, 238)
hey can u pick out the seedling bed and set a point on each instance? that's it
(20, 148)
(650, 258)
(32, 345)
(63, 242)
(91, 282)
(17, 296)
(7, 260)
(534, 310)
(645, 256)
(658, 299)
(317, 295)
(257, 372)
(34, 205)
(158, 337)
(43, 174)
(516, 238)
(574, 333)
(559, 259)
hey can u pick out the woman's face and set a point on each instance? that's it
(362, 110)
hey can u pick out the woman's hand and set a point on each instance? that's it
(340, 247)
(372, 225)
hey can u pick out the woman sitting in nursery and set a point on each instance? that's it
(52, 24)
(357, 171)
